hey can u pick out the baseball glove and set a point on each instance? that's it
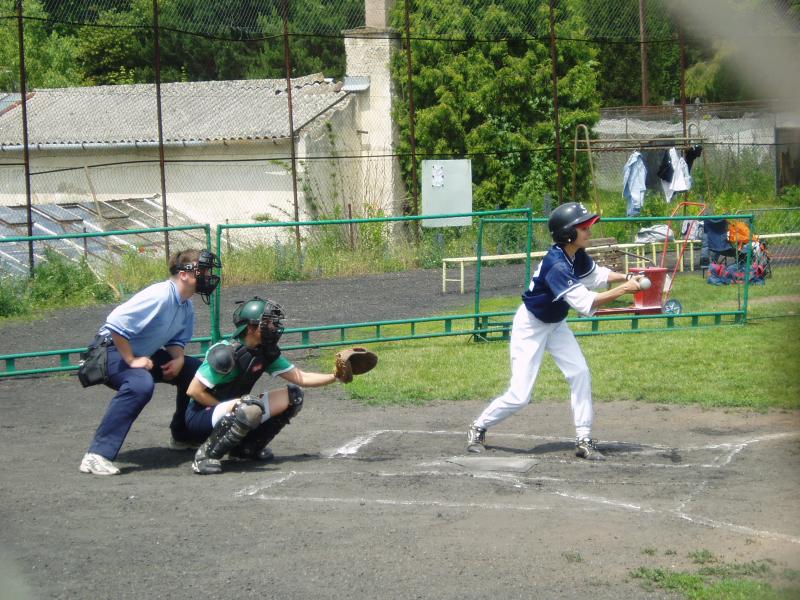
(353, 361)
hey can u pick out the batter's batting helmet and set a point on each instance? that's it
(565, 219)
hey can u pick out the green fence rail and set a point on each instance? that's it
(216, 333)
(480, 325)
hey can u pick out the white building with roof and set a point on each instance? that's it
(226, 143)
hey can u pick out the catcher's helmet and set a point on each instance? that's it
(253, 311)
(565, 219)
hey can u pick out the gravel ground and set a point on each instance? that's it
(364, 502)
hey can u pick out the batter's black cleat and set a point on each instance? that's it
(476, 437)
(585, 448)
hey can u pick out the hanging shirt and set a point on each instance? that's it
(692, 154)
(681, 180)
(634, 177)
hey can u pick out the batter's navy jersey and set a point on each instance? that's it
(556, 275)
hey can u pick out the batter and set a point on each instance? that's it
(562, 280)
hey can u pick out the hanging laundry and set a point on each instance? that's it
(665, 170)
(680, 180)
(693, 153)
(634, 176)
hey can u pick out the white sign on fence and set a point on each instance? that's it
(446, 189)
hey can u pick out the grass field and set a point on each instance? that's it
(752, 366)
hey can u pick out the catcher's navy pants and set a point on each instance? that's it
(134, 390)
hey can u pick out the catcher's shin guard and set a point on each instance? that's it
(227, 434)
(252, 447)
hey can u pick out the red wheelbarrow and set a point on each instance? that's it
(652, 301)
(656, 299)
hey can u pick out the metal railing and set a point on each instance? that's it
(482, 325)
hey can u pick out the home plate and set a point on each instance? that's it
(491, 463)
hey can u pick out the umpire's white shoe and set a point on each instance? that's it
(476, 437)
(585, 448)
(97, 465)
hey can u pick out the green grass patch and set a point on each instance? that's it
(572, 557)
(751, 366)
(56, 282)
(722, 581)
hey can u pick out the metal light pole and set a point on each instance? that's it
(23, 92)
(554, 62)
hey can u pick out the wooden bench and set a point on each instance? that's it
(462, 260)
(599, 247)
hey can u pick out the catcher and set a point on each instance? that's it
(224, 416)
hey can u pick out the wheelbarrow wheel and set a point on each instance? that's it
(672, 307)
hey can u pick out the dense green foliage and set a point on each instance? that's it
(50, 56)
(493, 102)
(115, 45)
(111, 42)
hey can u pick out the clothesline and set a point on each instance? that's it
(624, 144)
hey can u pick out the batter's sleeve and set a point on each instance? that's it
(597, 278)
(581, 299)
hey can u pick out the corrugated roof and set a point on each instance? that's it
(8, 100)
(195, 111)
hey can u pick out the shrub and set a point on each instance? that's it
(58, 280)
(12, 296)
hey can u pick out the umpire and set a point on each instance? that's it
(145, 339)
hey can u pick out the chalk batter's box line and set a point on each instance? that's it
(595, 503)
(728, 449)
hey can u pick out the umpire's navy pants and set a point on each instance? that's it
(134, 390)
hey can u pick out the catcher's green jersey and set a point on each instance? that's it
(211, 378)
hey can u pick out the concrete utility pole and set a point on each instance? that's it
(411, 118)
(160, 117)
(287, 63)
(556, 124)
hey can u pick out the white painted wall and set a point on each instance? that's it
(369, 52)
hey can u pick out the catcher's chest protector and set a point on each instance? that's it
(238, 387)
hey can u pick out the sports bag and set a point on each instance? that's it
(93, 367)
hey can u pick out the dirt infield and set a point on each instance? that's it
(367, 502)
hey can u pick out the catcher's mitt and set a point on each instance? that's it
(353, 361)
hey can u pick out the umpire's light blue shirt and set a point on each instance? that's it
(155, 317)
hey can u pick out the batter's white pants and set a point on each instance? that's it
(530, 337)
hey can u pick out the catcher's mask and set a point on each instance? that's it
(565, 220)
(266, 314)
(203, 271)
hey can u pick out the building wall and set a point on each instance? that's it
(217, 182)
(369, 52)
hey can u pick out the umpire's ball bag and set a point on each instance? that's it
(94, 363)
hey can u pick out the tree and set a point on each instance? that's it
(492, 100)
(201, 41)
(50, 57)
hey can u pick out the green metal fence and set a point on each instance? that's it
(704, 305)
(9, 362)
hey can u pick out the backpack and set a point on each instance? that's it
(738, 233)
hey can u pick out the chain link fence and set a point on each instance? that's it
(150, 113)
